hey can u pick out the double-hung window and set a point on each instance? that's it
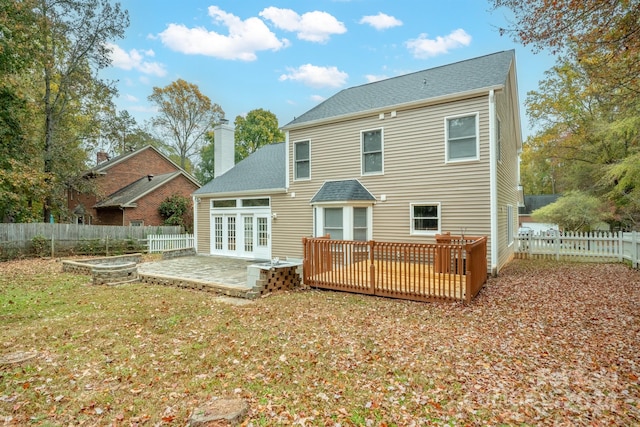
(462, 138)
(333, 223)
(360, 224)
(372, 153)
(425, 218)
(302, 160)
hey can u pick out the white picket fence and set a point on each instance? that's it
(594, 246)
(164, 242)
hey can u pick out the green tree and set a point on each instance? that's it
(258, 128)
(574, 211)
(176, 210)
(71, 47)
(205, 170)
(185, 115)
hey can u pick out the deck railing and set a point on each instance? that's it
(453, 269)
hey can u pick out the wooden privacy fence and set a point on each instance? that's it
(46, 239)
(452, 269)
(594, 246)
(165, 242)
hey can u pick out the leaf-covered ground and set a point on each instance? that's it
(544, 344)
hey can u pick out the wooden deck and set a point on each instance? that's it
(453, 269)
(394, 279)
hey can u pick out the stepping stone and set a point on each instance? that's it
(17, 357)
(233, 411)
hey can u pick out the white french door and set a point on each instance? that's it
(246, 235)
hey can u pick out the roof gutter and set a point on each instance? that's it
(414, 104)
(262, 192)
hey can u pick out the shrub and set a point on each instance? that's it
(40, 245)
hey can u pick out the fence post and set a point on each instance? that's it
(107, 246)
(634, 249)
(620, 246)
(53, 246)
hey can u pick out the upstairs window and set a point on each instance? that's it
(302, 160)
(462, 138)
(372, 158)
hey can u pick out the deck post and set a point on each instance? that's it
(372, 268)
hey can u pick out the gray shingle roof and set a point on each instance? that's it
(473, 74)
(126, 196)
(342, 191)
(263, 170)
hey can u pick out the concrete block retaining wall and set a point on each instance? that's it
(114, 274)
(175, 253)
(106, 270)
(196, 285)
(85, 266)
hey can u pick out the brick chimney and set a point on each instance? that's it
(101, 156)
(223, 148)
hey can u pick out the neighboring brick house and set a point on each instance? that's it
(129, 189)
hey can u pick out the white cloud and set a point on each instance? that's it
(131, 98)
(143, 108)
(245, 38)
(373, 78)
(314, 76)
(317, 98)
(381, 21)
(134, 60)
(313, 26)
(422, 47)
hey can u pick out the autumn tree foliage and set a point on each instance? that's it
(586, 110)
(259, 127)
(184, 117)
(603, 35)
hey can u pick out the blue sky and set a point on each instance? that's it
(287, 56)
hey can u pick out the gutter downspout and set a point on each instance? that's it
(195, 222)
(493, 184)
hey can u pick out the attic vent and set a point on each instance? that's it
(149, 177)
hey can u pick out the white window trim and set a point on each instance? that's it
(414, 232)
(295, 177)
(446, 138)
(362, 172)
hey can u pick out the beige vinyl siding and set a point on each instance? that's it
(414, 171)
(507, 169)
(285, 242)
(203, 226)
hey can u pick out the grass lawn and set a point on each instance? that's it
(544, 344)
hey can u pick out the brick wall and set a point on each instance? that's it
(145, 162)
(147, 209)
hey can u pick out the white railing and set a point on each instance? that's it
(164, 242)
(605, 246)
